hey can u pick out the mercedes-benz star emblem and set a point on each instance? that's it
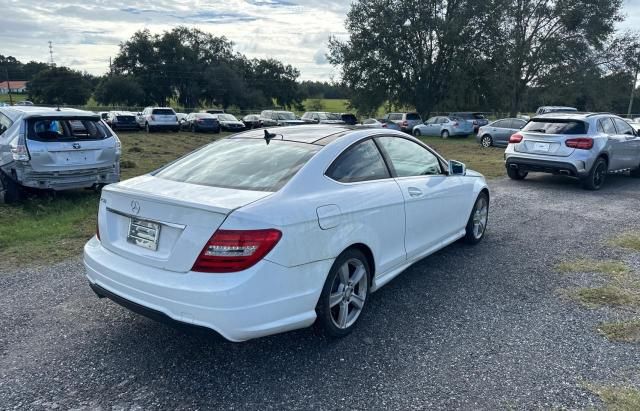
(135, 207)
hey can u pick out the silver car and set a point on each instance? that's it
(406, 121)
(586, 146)
(444, 127)
(497, 133)
(55, 149)
(374, 123)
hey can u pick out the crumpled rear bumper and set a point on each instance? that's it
(68, 179)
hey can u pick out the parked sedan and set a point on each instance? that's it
(322, 117)
(374, 123)
(122, 120)
(498, 133)
(249, 237)
(443, 127)
(228, 122)
(271, 118)
(251, 121)
(477, 119)
(202, 122)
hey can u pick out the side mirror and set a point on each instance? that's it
(457, 168)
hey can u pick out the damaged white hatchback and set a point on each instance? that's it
(55, 149)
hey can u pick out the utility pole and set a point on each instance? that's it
(6, 74)
(633, 92)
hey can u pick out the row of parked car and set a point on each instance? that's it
(215, 120)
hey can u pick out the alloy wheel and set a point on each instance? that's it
(486, 141)
(480, 217)
(348, 293)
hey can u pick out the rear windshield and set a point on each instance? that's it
(286, 115)
(227, 117)
(245, 164)
(557, 126)
(58, 129)
(413, 116)
(163, 112)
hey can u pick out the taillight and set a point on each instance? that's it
(515, 138)
(384, 125)
(235, 250)
(405, 123)
(580, 143)
(20, 152)
(455, 124)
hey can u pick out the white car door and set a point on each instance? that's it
(370, 199)
(435, 203)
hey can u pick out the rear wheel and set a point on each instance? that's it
(597, 175)
(13, 192)
(477, 223)
(417, 133)
(486, 141)
(635, 172)
(344, 294)
(514, 173)
(444, 134)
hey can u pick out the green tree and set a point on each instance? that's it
(60, 85)
(405, 51)
(119, 90)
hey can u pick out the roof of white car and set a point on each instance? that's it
(311, 134)
(569, 115)
(34, 111)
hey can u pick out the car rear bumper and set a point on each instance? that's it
(68, 179)
(265, 299)
(125, 126)
(545, 166)
(164, 126)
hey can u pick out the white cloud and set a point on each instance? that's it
(85, 33)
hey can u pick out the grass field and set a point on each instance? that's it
(4, 98)
(53, 228)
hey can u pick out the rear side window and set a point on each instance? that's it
(413, 116)
(65, 129)
(556, 126)
(5, 123)
(623, 127)
(361, 162)
(606, 126)
(163, 112)
(244, 164)
(501, 124)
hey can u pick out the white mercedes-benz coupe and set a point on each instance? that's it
(269, 231)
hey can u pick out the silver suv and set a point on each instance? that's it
(586, 146)
(158, 118)
(406, 121)
(55, 149)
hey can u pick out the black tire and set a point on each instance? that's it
(193, 128)
(486, 141)
(477, 223)
(515, 173)
(13, 192)
(597, 175)
(417, 133)
(444, 134)
(332, 286)
(635, 173)
(147, 128)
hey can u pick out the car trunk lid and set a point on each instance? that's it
(164, 223)
(545, 144)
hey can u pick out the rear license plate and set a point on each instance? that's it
(541, 146)
(143, 233)
(75, 157)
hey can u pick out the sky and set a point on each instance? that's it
(85, 33)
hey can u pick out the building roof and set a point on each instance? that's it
(14, 84)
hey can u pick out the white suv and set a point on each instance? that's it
(158, 118)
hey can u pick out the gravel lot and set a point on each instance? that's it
(480, 327)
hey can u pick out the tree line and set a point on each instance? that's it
(184, 66)
(504, 55)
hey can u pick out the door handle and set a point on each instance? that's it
(415, 192)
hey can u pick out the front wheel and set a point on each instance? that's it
(596, 176)
(445, 134)
(417, 132)
(344, 294)
(514, 173)
(147, 128)
(477, 224)
(486, 141)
